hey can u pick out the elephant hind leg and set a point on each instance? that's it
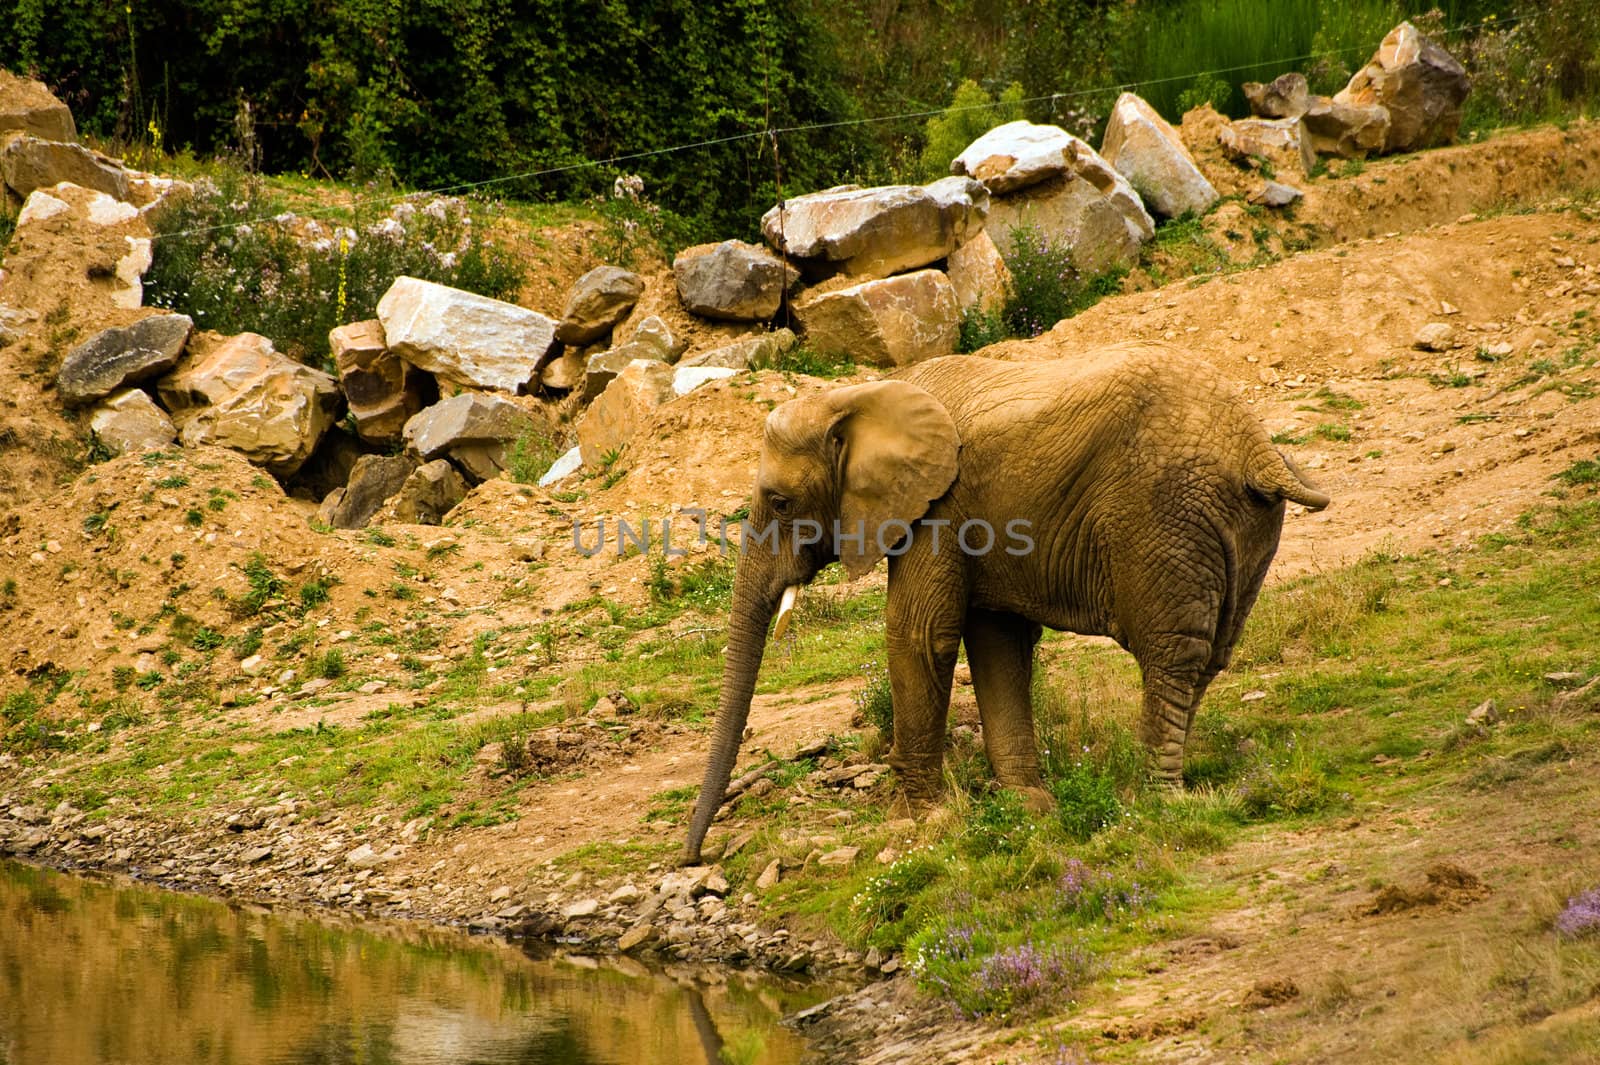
(1000, 652)
(1175, 677)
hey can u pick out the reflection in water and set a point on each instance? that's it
(107, 973)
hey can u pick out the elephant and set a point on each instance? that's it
(1124, 492)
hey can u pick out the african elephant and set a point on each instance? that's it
(1126, 492)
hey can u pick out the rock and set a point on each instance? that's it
(636, 937)
(373, 480)
(1485, 713)
(237, 392)
(115, 358)
(613, 419)
(427, 495)
(601, 298)
(1280, 142)
(893, 322)
(367, 857)
(625, 895)
(383, 390)
(464, 338)
(1420, 84)
(1349, 131)
(877, 232)
(1565, 679)
(130, 421)
(1014, 156)
(581, 908)
(253, 666)
(1436, 336)
(979, 275)
(473, 429)
(564, 372)
(840, 857)
(1090, 209)
(1275, 194)
(686, 379)
(732, 281)
(28, 106)
(716, 883)
(1147, 151)
(568, 463)
(656, 333)
(28, 163)
(763, 350)
(107, 242)
(1286, 96)
(604, 367)
(770, 875)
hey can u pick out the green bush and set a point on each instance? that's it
(233, 260)
(875, 700)
(972, 113)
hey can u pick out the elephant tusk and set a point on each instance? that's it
(791, 595)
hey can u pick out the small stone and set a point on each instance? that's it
(841, 857)
(770, 875)
(256, 855)
(1253, 696)
(1485, 713)
(581, 908)
(638, 936)
(1436, 336)
(1275, 194)
(1564, 679)
(627, 893)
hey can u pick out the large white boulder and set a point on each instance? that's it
(896, 321)
(1013, 156)
(464, 338)
(877, 232)
(1147, 151)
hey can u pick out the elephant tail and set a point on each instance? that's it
(1273, 476)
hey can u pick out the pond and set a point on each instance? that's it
(114, 972)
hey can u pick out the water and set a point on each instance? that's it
(96, 973)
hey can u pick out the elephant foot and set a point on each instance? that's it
(916, 807)
(1037, 800)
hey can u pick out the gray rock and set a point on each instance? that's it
(130, 421)
(732, 281)
(373, 481)
(115, 358)
(581, 908)
(28, 163)
(1285, 96)
(472, 428)
(601, 298)
(1485, 713)
(877, 232)
(686, 379)
(427, 495)
(1420, 84)
(1152, 156)
(1346, 130)
(1275, 194)
(637, 937)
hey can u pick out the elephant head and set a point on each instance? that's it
(865, 460)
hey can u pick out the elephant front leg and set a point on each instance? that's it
(924, 635)
(1000, 652)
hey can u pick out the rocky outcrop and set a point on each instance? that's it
(1147, 151)
(763, 350)
(732, 281)
(1286, 96)
(131, 421)
(114, 358)
(622, 409)
(383, 390)
(473, 430)
(240, 393)
(1281, 143)
(601, 298)
(652, 341)
(27, 106)
(1420, 84)
(373, 480)
(893, 322)
(1091, 211)
(464, 338)
(876, 232)
(28, 163)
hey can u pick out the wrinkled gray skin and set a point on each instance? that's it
(1155, 500)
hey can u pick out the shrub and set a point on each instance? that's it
(972, 112)
(233, 260)
(1288, 787)
(874, 701)
(1581, 917)
(998, 824)
(1087, 800)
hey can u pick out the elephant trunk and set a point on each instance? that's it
(753, 606)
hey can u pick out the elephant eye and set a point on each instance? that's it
(779, 504)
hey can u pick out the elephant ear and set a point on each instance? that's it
(897, 448)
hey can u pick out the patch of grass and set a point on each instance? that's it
(808, 360)
(1582, 472)
(530, 455)
(1331, 431)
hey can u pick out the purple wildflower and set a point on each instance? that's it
(1021, 975)
(1582, 915)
